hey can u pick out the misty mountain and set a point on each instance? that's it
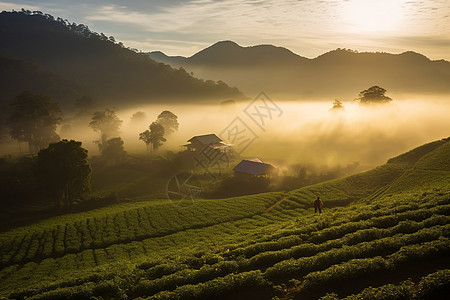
(44, 54)
(339, 73)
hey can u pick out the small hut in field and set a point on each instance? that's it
(254, 168)
(200, 142)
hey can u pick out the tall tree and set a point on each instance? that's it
(156, 136)
(146, 138)
(113, 151)
(374, 94)
(64, 172)
(107, 123)
(169, 121)
(33, 119)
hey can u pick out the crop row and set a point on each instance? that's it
(224, 277)
(224, 284)
(173, 275)
(323, 231)
(159, 249)
(368, 267)
(389, 212)
(206, 266)
(123, 227)
(432, 286)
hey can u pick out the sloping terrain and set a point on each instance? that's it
(97, 65)
(387, 229)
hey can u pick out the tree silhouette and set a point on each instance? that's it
(374, 94)
(337, 105)
(33, 119)
(169, 121)
(146, 138)
(107, 123)
(156, 136)
(113, 151)
(64, 172)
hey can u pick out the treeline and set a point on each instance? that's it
(58, 173)
(92, 64)
(79, 29)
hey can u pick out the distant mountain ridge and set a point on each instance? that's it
(230, 54)
(90, 64)
(338, 73)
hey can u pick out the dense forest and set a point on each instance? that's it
(67, 60)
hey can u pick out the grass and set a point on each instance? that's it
(382, 232)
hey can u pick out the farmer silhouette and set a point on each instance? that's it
(318, 205)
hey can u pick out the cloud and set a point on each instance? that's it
(307, 27)
(8, 6)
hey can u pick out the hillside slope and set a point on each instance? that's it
(104, 69)
(387, 228)
(339, 73)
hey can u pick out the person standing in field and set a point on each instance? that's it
(318, 205)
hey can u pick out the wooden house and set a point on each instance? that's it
(200, 142)
(254, 168)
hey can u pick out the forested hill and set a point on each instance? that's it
(69, 61)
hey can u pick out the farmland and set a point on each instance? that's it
(384, 232)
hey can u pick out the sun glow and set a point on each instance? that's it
(368, 16)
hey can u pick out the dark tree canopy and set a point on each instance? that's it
(107, 123)
(33, 119)
(146, 138)
(374, 94)
(169, 121)
(113, 151)
(337, 105)
(156, 136)
(64, 172)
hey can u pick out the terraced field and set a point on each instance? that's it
(383, 233)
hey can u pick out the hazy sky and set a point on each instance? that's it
(307, 27)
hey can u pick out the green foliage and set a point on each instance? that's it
(33, 119)
(260, 246)
(64, 171)
(434, 285)
(412, 156)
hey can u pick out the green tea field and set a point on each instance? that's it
(383, 234)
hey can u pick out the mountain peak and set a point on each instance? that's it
(229, 53)
(226, 43)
